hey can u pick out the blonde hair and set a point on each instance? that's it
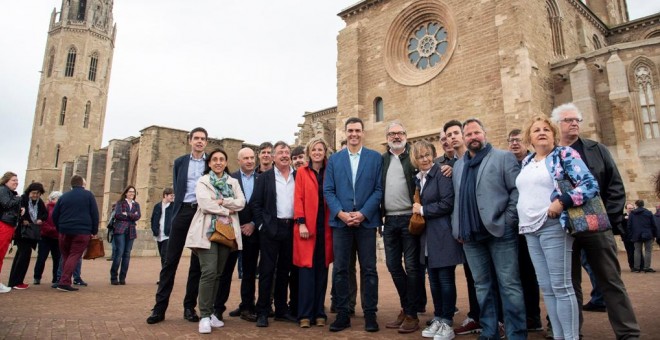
(417, 148)
(314, 141)
(527, 139)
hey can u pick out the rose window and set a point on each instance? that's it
(427, 45)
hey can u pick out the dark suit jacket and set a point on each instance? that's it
(155, 219)
(263, 203)
(246, 215)
(179, 181)
(338, 187)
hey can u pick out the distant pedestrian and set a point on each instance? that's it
(161, 223)
(10, 211)
(127, 213)
(642, 228)
(76, 218)
(49, 243)
(34, 215)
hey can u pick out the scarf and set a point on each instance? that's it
(469, 221)
(32, 208)
(222, 190)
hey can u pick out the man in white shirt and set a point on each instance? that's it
(161, 222)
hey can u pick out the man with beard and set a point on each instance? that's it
(398, 191)
(485, 219)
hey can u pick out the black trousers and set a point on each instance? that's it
(250, 254)
(162, 251)
(180, 226)
(21, 262)
(47, 246)
(275, 262)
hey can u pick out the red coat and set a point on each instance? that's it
(306, 203)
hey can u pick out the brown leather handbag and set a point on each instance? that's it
(417, 222)
(94, 249)
(224, 234)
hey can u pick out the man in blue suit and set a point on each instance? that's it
(353, 190)
(187, 170)
(485, 219)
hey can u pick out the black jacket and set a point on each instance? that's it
(409, 172)
(155, 218)
(263, 203)
(42, 214)
(641, 225)
(10, 206)
(602, 166)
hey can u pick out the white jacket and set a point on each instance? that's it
(207, 206)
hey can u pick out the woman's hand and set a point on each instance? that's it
(39, 222)
(417, 208)
(555, 209)
(304, 232)
(220, 201)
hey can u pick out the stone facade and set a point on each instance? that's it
(318, 124)
(501, 61)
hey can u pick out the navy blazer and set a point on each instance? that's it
(180, 180)
(246, 215)
(263, 203)
(155, 218)
(338, 187)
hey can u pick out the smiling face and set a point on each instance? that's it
(12, 183)
(217, 162)
(298, 160)
(266, 157)
(34, 195)
(317, 153)
(541, 135)
(475, 137)
(396, 138)
(130, 194)
(282, 157)
(198, 142)
(354, 135)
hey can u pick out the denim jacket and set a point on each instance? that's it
(565, 161)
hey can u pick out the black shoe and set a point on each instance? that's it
(590, 307)
(286, 317)
(66, 288)
(54, 285)
(635, 270)
(262, 321)
(155, 317)
(80, 283)
(235, 313)
(647, 270)
(37, 281)
(248, 316)
(123, 283)
(271, 313)
(342, 322)
(370, 324)
(190, 315)
(114, 283)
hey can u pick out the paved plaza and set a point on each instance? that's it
(103, 311)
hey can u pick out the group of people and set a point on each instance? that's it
(61, 228)
(500, 213)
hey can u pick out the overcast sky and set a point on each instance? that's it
(255, 66)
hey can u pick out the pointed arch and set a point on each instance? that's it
(70, 62)
(596, 42)
(555, 19)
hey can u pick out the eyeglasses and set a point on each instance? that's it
(420, 157)
(397, 133)
(514, 140)
(571, 120)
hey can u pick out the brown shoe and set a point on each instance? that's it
(396, 323)
(320, 322)
(304, 323)
(409, 325)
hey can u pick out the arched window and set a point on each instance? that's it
(51, 61)
(70, 62)
(43, 112)
(63, 111)
(596, 41)
(82, 8)
(649, 119)
(378, 109)
(86, 117)
(57, 155)
(93, 62)
(554, 16)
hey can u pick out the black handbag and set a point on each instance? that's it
(31, 232)
(111, 227)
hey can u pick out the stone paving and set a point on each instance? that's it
(103, 311)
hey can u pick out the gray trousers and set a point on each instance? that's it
(212, 263)
(648, 255)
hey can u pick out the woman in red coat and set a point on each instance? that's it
(312, 236)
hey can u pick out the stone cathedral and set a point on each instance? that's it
(423, 62)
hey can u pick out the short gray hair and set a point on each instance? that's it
(54, 195)
(557, 111)
(394, 123)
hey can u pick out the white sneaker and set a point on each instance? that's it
(445, 332)
(205, 325)
(215, 322)
(4, 289)
(430, 331)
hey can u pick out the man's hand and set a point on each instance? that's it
(446, 170)
(247, 229)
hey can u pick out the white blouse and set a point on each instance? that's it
(535, 186)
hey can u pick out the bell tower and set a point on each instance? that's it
(73, 89)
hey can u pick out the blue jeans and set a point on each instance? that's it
(399, 242)
(495, 259)
(443, 291)
(365, 239)
(551, 250)
(596, 293)
(121, 256)
(76, 271)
